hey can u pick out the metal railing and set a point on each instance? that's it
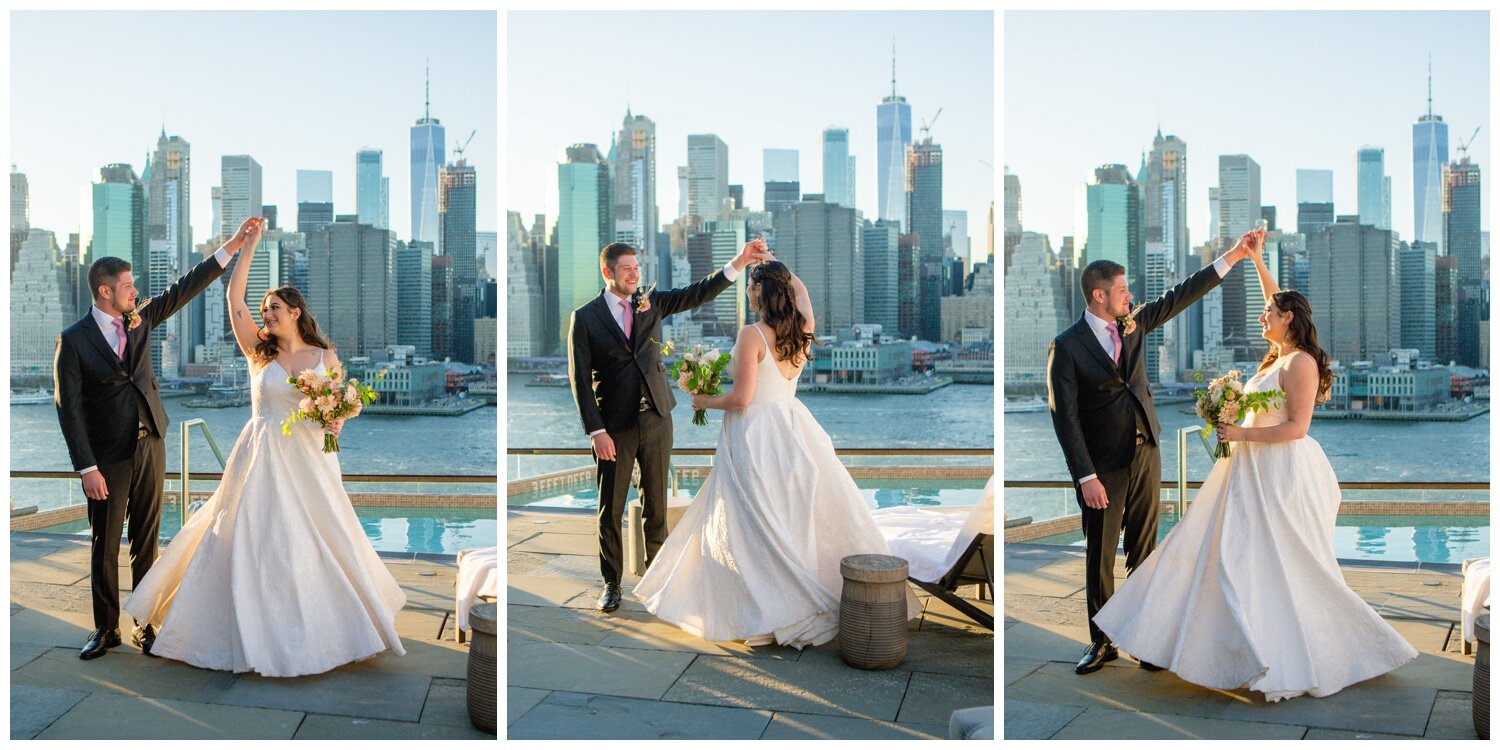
(186, 474)
(710, 451)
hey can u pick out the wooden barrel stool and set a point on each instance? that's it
(1481, 694)
(872, 611)
(482, 673)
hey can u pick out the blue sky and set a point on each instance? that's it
(295, 90)
(1291, 89)
(758, 80)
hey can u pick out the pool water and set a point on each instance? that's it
(1391, 538)
(390, 529)
(878, 493)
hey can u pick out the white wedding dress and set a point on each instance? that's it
(756, 555)
(274, 573)
(1246, 589)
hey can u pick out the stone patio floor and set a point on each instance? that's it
(127, 695)
(1045, 634)
(576, 673)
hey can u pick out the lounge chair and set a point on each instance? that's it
(946, 550)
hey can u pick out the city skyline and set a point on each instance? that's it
(1377, 92)
(943, 60)
(304, 120)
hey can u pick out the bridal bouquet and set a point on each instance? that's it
(327, 398)
(699, 373)
(1225, 402)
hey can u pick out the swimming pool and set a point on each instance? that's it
(390, 529)
(1388, 538)
(878, 493)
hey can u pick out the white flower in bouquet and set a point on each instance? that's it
(1229, 413)
(305, 404)
(712, 355)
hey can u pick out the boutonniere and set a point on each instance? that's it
(133, 318)
(1127, 323)
(643, 299)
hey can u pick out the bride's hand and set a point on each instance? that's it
(1231, 433)
(334, 427)
(700, 401)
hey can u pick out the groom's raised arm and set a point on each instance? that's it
(185, 289)
(1062, 401)
(1179, 298)
(581, 376)
(697, 293)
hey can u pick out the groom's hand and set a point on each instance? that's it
(94, 487)
(1094, 495)
(604, 446)
(755, 251)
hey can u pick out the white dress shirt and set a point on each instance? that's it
(1101, 327)
(617, 310)
(112, 334)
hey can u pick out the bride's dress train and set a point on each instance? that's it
(274, 574)
(756, 555)
(1246, 589)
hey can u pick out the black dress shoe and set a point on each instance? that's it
(1094, 659)
(99, 644)
(144, 639)
(1148, 666)
(609, 601)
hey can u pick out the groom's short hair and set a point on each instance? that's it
(1099, 275)
(105, 271)
(612, 253)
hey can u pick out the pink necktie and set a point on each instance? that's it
(625, 306)
(120, 328)
(1114, 337)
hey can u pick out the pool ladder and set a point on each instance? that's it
(182, 498)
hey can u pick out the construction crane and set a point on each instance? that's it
(459, 150)
(927, 126)
(1463, 145)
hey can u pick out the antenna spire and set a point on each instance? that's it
(1429, 85)
(427, 96)
(893, 67)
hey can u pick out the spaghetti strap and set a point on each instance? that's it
(762, 335)
(321, 352)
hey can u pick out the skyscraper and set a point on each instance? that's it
(352, 286)
(1109, 227)
(1418, 279)
(881, 246)
(427, 157)
(314, 200)
(892, 136)
(708, 176)
(241, 196)
(1353, 277)
(1166, 246)
(20, 215)
(838, 168)
(824, 243)
(636, 221)
(585, 224)
(1034, 309)
(169, 239)
(1462, 240)
(119, 220)
(38, 307)
(524, 292)
(1429, 151)
(924, 212)
(1372, 192)
(369, 187)
(414, 296)
(456, 207)
(1314, 200)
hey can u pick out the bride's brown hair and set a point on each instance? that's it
(266, 349)
(778, 309)
(1303, 335)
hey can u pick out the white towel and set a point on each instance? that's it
(478, 575)
(931, 541)
(1476, 593)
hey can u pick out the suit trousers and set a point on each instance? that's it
(1134, 500)
(648, 443)
(135, 495)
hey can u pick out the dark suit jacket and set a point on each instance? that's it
(1095, 404)
(608, 373)
(100, 399)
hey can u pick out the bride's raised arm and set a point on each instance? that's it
(804, 302)
(246, 332)
(1257, 248)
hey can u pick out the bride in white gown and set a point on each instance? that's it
(274, 573)
(1246, 590)
(756, 555)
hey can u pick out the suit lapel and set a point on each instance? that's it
(96, 337)
(1091, 343)
(607, 318)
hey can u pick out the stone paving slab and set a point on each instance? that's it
(576, 567)
(1430, 671)
(323, 727)
(576, 668)
(542, 592)
(932, 698)
(33, 709)
(1452, 717)
(565, 715)
(519, 700)
(942, 651)
(46, 570)
(636, 630)
(1016, 669)
(550, 543)
(22, 654)
(1317, 733)
(428, 659)
(1103, 724)
(1117, 686)
(120, 672)
(1061, 643)
(1370, 708)
(589, 599)
(789, 726)
(1025, 720)
(116, 717)
(558, 625)
(344, 692)
(791, 686)
(583, 524)
(447, 703)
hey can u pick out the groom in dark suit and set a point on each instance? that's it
(113, 422)
(619, 383)
(1106, 422)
